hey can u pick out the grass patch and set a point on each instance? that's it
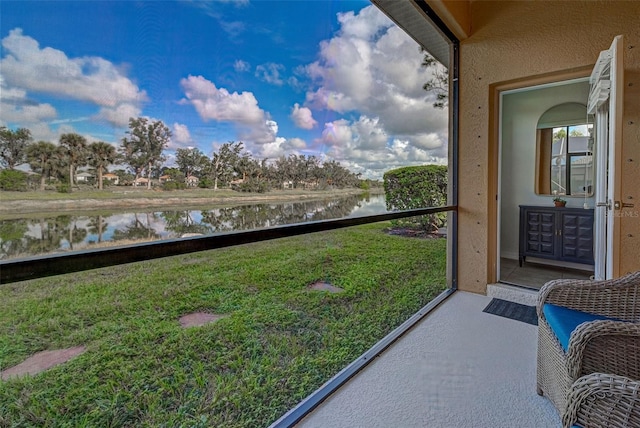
(278, 344)
(116, 193)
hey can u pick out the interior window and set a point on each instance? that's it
(571, 163)
(564, 152)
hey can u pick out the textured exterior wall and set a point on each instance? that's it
(519, 40)
(630, 189)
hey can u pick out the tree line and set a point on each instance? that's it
(141, 152)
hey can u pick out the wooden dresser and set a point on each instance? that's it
(563, 234)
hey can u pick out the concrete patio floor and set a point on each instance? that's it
(458, 367)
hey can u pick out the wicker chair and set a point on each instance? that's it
(604, 346)
(602, 400)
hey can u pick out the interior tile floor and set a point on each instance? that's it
(534, 275)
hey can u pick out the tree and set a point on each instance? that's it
(224, 163)
(560, 134)
(439, 82)
(142, 148)
(13, 179)
(244, 166)
(312, 170)
(101, 154)
(13, 146)
(174, 174)
(129, 154)
(97, 226)
(74, 149)
(41, 157)
(289, 170)
(124, 176)
(190, 160)
(417, 187)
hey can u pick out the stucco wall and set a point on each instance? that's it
(517, 40)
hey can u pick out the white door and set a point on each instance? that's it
(605, 101)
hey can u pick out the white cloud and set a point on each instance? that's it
(270, 73)
(120, 115)
(278, 147)
(41, 131)
(364, 25)
(372, 68)
(48, 70)
(365, 146)
(260, 134)
(272, 126)
(17, 108)
(274, 149)
(427, 141)
(364, 134)
(26, 114)
(343, 73)
(241, 66)
(181, 133)
(212, 103)
(28, 68)
(73, 120)
(181, 137)
(337, 133)
(302, 117)
(297, 143)
(241, 109)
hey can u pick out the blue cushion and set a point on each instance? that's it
(564, 320)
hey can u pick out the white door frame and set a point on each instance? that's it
(526, 86)
(605, 101)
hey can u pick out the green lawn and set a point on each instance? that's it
(278, 344)
(128, 192)
(114, 192)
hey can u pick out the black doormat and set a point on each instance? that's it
(515, 311)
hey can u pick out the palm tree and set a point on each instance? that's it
(40, 157)
(74, 147)
(101, 154)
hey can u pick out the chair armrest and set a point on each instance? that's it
(603, 343)
(600, 398)
(615, 298)
(549, 292)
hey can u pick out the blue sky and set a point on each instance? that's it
(335, 79)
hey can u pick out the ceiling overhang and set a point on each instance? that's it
(414, 21)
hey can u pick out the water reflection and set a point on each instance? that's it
(55, 233)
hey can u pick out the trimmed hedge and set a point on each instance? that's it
(417, 187)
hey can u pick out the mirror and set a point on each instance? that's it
(564, 155)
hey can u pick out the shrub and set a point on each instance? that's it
(63, 188)
(252, 185)
(417, 187)
(205, 183)
(173, 185)
(11, 179)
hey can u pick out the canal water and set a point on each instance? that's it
(54, 233)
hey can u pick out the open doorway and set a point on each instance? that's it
(545, 153)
